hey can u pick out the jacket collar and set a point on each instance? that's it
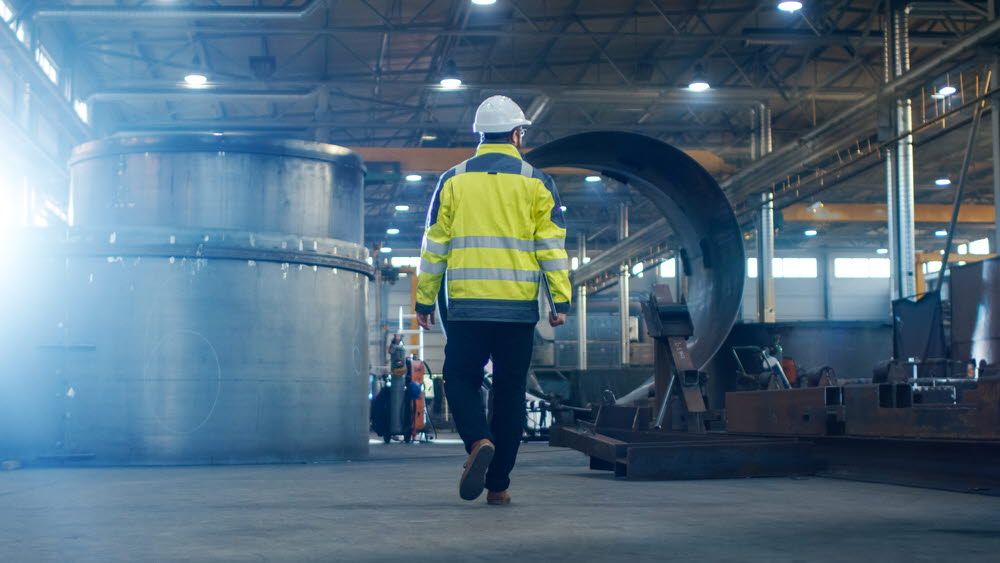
(502, 148)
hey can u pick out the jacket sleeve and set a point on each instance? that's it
(550, 243)
(436, 245)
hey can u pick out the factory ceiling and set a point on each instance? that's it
(368, 73)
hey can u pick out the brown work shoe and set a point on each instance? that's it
(474, 477)
(497, 497)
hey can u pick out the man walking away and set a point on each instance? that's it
(496, 226)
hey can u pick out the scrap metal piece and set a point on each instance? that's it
(696, 209)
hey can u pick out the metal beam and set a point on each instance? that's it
(99, 14)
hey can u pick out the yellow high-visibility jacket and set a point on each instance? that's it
(495, 225)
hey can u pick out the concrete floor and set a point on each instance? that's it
(403, 505)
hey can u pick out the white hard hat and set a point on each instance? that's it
(499, 114)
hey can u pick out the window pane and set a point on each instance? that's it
(850, 268)
(6, 14)
(751, 267)
(981, 246)
(932, 267)
(82, 110)
(405, 261)
(47, 65)
(878, 267)
(668, 268)
(798, 268)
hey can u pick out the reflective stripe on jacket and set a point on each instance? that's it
(495, 225)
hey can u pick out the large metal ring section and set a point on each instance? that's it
(696, 208)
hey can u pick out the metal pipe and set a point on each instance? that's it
(623, 293)
(186, 92)
(765, 260)
(95, 12)
(581, 307)
(665, 405)
(899, 162)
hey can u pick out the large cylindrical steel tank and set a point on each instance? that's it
(207, 305)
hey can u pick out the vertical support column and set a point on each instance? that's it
(623, 283)
(994, 11)
(765, 259)
(995, 136)
(766, 303)
(899, 158)
(581, 307)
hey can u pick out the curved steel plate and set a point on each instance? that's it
(694, 205)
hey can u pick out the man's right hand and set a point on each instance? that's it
(557, 319)
(425, 320)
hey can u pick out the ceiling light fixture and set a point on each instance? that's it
(484, 2)
(592, 179)
(195, 80)
(698, 81)
(414, 177)
(385, 250)
(946, 90)
(789, 7)
(392, 231)
(882, 251)
(402, 207)
(450, 79)
(428, 137)
(811, 233)
(942, 182)
(941, 233)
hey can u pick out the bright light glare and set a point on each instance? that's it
(882, 251)
(385, 250)
(451, 83)
(562, 208)
(414, 177)
(196, 80)
(392, 231)
(811, 233)
(484, 2)
(789, 6)
(592, 179)
(946, 91)
(941, 233)
(698, 86)
(402, 207)
(942, 182)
